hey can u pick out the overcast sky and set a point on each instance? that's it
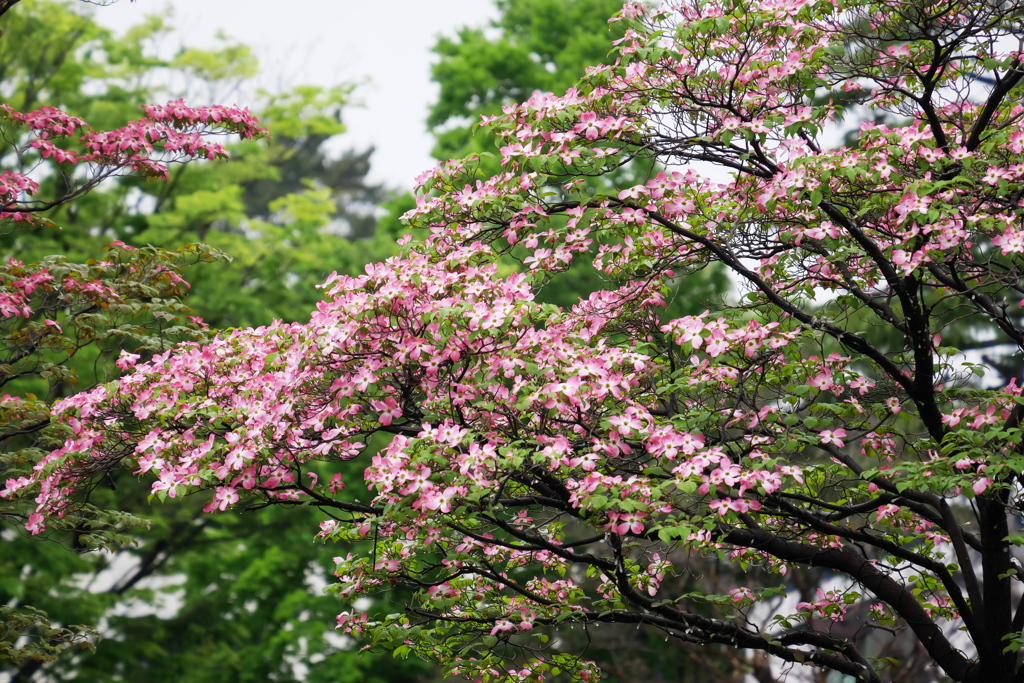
(384, 45)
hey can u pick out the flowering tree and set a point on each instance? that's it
(547, 467)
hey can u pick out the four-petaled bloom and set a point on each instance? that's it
(127, 361)
(833, 436)
(626, 522)
(502, 625)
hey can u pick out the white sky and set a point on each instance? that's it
(383, 44)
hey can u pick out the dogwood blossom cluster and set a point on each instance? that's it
(168, 133)
(529, 467)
